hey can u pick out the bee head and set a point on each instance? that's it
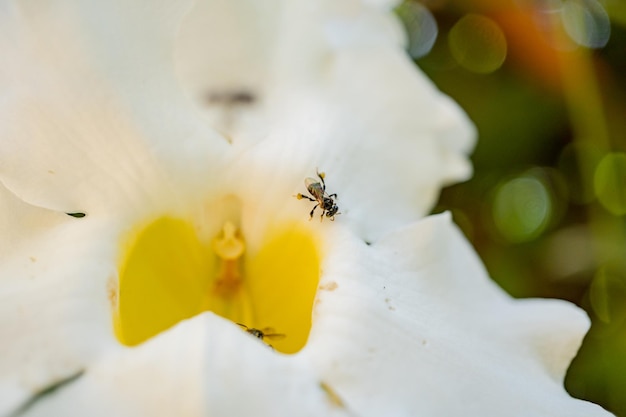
(332, 210)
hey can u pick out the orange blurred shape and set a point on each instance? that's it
(531, 48)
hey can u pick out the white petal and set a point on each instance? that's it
(203, 366)
(54, 312)
(383, 3)
(91, 115)
(388, 150)
(419, 329)
(333, 90)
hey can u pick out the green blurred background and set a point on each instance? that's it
(545, 83)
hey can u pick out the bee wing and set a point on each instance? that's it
(309, 181)
(314, 187)
(269, 333)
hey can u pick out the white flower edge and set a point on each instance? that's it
(128, 138)
(453, 342)
(92, 118)
(55, 317)
(409, 326)
(203, 366)
(333, 89)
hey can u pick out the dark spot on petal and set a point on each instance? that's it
(55, 386)
(387, 301)
(77, 215)
(230, 98)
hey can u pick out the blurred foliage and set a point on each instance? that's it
(545, 83)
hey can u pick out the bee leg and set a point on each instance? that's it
(312, 211)
(333, 195)
(321, 175)
(301, 196)
(322, 215)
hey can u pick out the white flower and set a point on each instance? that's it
(111, 308)
(333, 88)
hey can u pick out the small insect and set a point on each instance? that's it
(324, 200)
(266, 333)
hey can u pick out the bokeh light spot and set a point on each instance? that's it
(586, 23)
(421, 28)
(478, 44)
(610, 182)
(605, 294)
(599, 297)
(522, 209)
(577, 162)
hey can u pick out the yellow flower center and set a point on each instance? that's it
(168, 274)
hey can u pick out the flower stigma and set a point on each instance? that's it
(170, 272)
(229, 247)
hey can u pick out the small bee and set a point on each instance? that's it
(266, 333)
(324, 200)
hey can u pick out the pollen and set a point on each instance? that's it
(112, 291)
